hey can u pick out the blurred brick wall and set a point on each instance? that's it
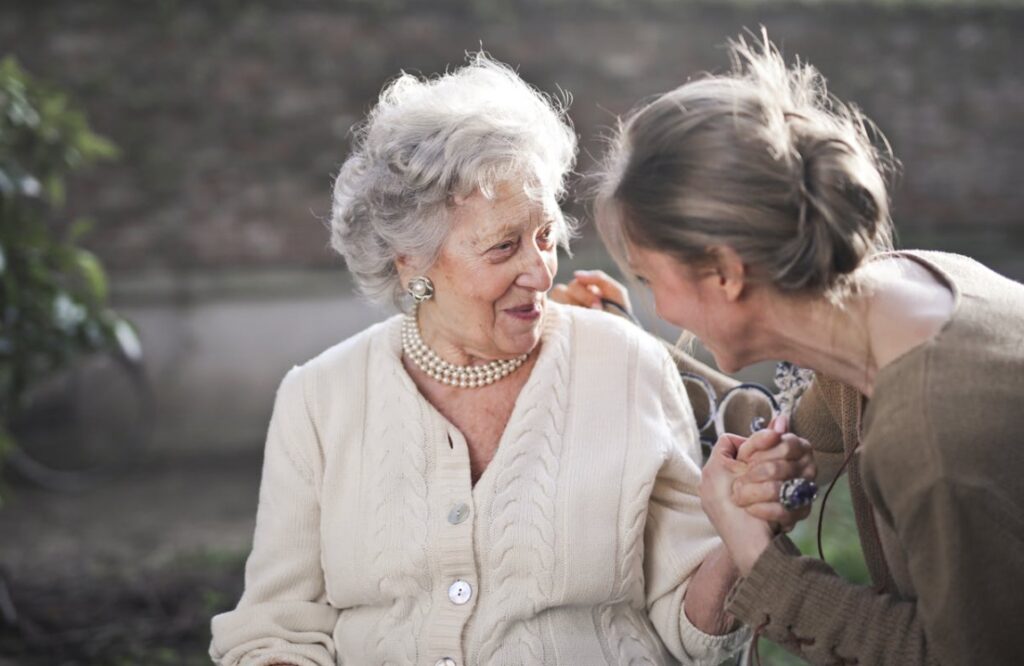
(231, 122)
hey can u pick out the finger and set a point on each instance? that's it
(600, 279)
(793, 518)
(582, 295)
(728, 445)
(775, 512)
(762, 440)
(560, 294)
(780, 423)
(610, 288)
(809, 470)
(774, 470)
(746, 493)
(789, 447)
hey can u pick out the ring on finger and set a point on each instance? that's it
(797, 493)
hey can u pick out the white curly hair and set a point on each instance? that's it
(429, 140)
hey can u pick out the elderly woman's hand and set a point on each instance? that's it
(587, 288)
(745, 535)
(770, 462)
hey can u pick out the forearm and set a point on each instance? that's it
(801, 603)
(707, 593)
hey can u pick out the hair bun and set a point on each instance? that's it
(839, 216)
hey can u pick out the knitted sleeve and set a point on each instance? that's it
(283, 615)
(802, 604)
(678, 536)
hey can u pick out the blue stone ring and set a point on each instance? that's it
(796, 493)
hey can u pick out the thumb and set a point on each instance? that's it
(728, 446)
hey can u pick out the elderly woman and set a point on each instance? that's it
(756, 209)
(489, 478)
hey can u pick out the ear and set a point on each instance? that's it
(405, 268)
(731, 272)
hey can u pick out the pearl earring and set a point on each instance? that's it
(420, 288)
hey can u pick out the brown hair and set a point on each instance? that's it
(761, 159)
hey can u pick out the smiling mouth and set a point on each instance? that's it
(526, 311)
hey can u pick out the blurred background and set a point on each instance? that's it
(205, 190)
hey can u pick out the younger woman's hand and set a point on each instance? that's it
(770, 462)
(587, 288)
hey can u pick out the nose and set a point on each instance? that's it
(538, 268)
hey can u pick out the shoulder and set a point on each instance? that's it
(610, 336)
(351, 351)
(339, 367)
(628, 367)
(968, 276)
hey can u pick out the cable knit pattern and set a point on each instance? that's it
(524, 504)
(400, 564)
(628, 640)
(384, 553)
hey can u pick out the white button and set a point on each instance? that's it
(458, 514)
(445, 661)
(459, 592)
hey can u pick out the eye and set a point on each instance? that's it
(504, 248)
(642, 280)
(547, 235)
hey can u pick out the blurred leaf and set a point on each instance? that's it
(128, 339)
(55, 189)
(94, 147)
(92, 271)
(79, 228)
(30, 187)
(68, 314)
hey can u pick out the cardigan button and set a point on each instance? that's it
(458, 514)
(460, 592)
(445, 661)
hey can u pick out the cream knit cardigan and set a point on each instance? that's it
(575, 546)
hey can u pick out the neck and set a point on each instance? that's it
(831, 338)
(435, 335)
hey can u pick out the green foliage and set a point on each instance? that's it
(53, 292)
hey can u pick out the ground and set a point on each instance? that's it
(128, 573)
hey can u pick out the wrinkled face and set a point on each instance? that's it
(693, 298)
(493, 274)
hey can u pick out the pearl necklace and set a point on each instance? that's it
(462, 376)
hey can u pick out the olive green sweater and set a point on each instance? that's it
(938, 490)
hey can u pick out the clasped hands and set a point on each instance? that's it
(740, 486)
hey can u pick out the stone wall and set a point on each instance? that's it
(232, 117)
